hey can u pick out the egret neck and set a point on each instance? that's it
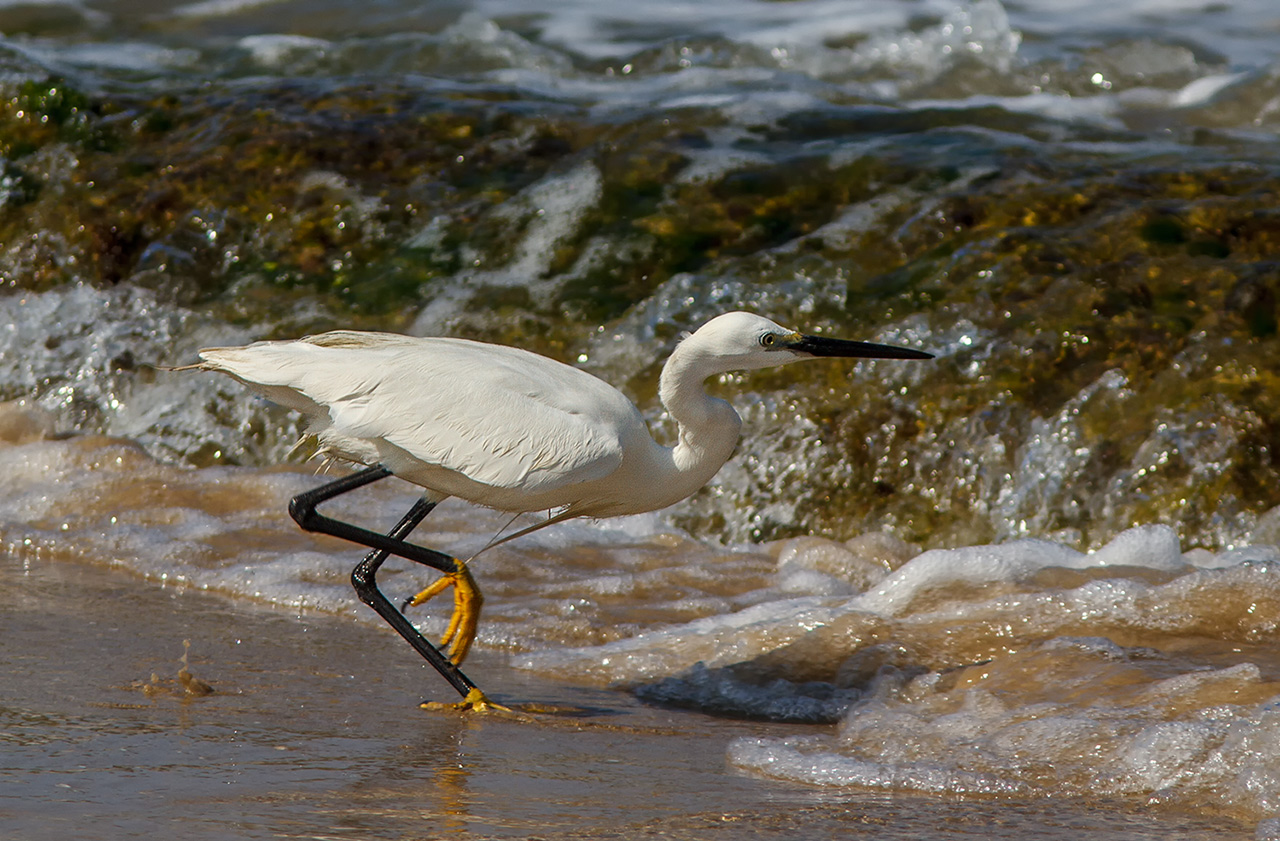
(709, 426)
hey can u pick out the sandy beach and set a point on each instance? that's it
(313, 731)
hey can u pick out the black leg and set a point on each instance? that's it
(362, 578)
(302, 509)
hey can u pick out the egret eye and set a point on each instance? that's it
(768, 340)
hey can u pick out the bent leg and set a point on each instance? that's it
(303, 510)
(363, 577)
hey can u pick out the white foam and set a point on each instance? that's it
(1204, 89)
(711, 641)
(1076, 731)
(813, 566)
(219, 8)
(939, 586)
(979, 30)
(941, 568)
(1149, 547)
(1100, 109)
(279, 50)
(83, 354)
(613, 30)
(550, 210)
(129, 56)
(789, 759)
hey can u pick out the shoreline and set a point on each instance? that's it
(313, 730)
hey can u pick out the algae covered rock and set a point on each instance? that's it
(1106, 327)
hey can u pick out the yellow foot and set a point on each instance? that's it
(476, 701)
(466, 611)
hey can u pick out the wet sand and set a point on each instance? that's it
(313, 731)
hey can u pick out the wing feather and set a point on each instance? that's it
(497, 415)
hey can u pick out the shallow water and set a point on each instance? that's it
(311, 731)
(1028, 585)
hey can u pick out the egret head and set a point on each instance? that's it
(740, 341)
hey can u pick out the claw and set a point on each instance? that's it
(476, 701)
(467, 601)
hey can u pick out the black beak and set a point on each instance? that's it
(822, 346)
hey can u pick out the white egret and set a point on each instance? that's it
(507, 429)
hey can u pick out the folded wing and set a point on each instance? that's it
(496, 415)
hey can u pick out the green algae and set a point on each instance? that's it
(36, 114)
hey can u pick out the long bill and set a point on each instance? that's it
(823, 346)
